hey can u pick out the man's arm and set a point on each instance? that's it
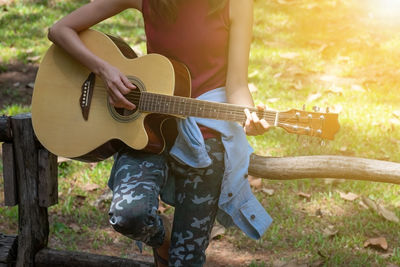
(64, 33)
(241, 17)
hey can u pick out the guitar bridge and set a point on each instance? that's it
(86, 95)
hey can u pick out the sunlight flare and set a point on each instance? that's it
(386, 9)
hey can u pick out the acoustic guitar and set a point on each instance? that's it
(72, 117)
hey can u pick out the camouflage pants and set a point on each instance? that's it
(137, 179)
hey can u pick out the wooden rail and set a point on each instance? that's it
(34, 169)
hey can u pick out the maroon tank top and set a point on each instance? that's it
(195, 38)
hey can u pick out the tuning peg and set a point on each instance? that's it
(304, 107)
(327, 110)
(315, 108)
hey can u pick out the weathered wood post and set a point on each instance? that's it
(10, 178)
(32, 218)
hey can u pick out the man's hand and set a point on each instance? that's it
(253, 124)
(118, 85)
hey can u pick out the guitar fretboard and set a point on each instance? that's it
(184, 106)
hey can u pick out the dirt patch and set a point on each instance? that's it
(223, 253)
(16, 84)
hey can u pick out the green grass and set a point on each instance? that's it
(299, 48)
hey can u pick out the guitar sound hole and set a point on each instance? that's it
(133, 97)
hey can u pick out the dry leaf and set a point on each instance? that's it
(363, 205)
(387, 214)
(289, 55)
(334, 181)
(344, 59)
(79, 200)
(90, 187)
(267, 191)
(217, 230)
(394, 141)
(396, 113)
(345, 151)
(304, 195)
(376, 243)
(30, 85)
(313, 97)
(252, 88)
(75, 227)
(357, 88)
(292, 263)
(337, 108)
(311, 6)
(282, 2)
(387, 256)
(256, 183)
(272, 100)
(62, 159)
(33, 59)
(162, 209)
(93, 165)
(294, 71)
(107, 196)
(336, 90)
(29, 50)
(253, 74)
(394, 122)
(298, 85)
(322, 48)
(370, 203)
(349, 196)
(330, 231)
(328, 78)
(318, 213)
(138, 50)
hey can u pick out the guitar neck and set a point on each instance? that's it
(184, 106)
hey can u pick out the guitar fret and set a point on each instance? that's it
(183, 106)
(168, 105)
(175, 105)
(156, 107)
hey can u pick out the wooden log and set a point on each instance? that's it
(48, 182)
(352, 168)
(33, 221)
(50, 257)
(9, 175)
(5, 129)
(8, 249)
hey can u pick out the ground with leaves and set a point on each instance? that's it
(337, 53)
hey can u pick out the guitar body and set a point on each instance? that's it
(57, 115)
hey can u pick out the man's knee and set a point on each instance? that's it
(134, 222)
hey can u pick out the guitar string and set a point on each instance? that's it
(151, 98)
(178, 104)
(225, 110)
(238, 114)
(229, 110)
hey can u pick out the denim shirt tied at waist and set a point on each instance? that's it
(237, 204)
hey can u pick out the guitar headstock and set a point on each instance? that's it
(318, 124)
